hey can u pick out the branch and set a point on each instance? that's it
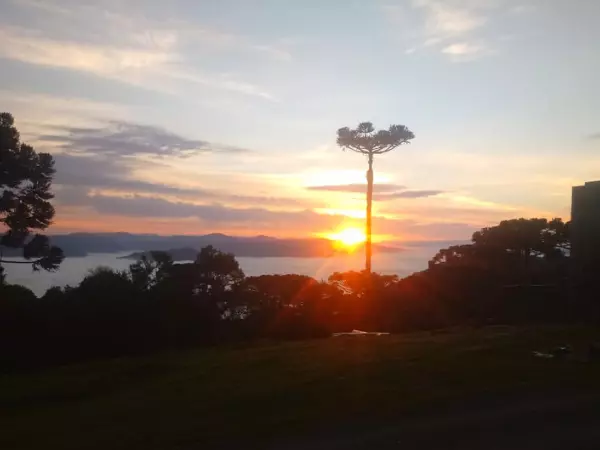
(388, 148)
(357, 149)
(4, 261)
(384, 149)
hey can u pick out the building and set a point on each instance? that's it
(585, 233)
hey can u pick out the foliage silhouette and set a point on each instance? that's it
(513, 273)
(522, 251)
(150, 269)
(25, 180)
(364, 140)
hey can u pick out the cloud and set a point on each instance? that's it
(382, 191)
(152, 212)
(407, 194)
(79, 175)
(123, 22)
(447, 18)
(56, 7)
(129, 139)
(522, 9)
(357, 187)
(103, 60)
(141, 206)
(465, 51)
(462, 49)
(216, 213)
(452, 27)
(115, 40)
(450, 212)
(37, 114)
(225, 82)
(152, 61)
(594, 136)
(86, 172)
(123, 158)
(273, 51)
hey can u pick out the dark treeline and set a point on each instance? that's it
(516, 272)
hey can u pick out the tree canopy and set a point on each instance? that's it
(515, 249)
(363, 139)
(25, 181)
(150, 269)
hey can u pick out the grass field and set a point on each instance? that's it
(256, 393)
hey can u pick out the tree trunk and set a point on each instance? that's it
(368, 247)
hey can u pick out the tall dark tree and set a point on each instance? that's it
(25, 180)
(366, 141)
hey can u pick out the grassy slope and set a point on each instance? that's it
(184, 399)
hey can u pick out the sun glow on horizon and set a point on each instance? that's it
(348, 237)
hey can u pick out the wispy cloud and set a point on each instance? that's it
(155, 67)
(407, 194)
(114, 41)
(522, 9)
(225, 82)
(149, 211)
(129, 139)
(465, 51)
(357, 187)
(144, 206)
(53, 105)
(453, 208)
(126, 23)
(594, 136)
(382, 191)
(274, 51)
(444, 19)
(39, 114)
(27, 46)
(80, 175)
(455, 28)
(125, 160)
(451, 25)
(47, 6)
(462, 49)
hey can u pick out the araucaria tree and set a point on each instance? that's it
(366, 141)
(25, 180)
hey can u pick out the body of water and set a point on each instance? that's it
(73, 270)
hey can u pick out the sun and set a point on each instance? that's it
(348, 237)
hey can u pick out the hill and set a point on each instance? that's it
(275, 248)
(274, 395)
(81, 244)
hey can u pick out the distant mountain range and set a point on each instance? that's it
(186, 247)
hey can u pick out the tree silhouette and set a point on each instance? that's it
(216, 271)
(366, 141)
(150, 269)
(526, 239)
(25, 180)
(516, 248)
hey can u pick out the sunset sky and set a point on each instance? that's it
(200, 116)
